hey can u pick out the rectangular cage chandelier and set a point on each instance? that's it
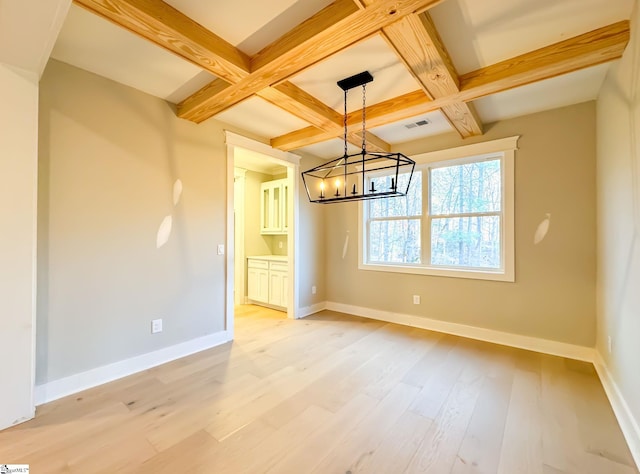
(351, 177)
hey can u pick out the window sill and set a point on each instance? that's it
(498, 275)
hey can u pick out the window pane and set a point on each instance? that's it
(409, 205)
(395, 241)
(466, 241)
(473, 187)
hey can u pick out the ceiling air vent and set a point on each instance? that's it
(419, 123)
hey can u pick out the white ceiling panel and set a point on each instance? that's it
(258, 116)
(574, 88)
(194, 84)
(481, 33)
(96, 45)
(293, 16)
(413, 129)
(328, 150)
(249, 25)
(391, 77)
(233, 21)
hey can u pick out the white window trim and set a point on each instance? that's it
(504, 146)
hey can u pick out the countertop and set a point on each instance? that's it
(272, 258)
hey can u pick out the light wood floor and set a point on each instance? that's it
(333, 394)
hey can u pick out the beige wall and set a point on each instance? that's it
(312, 243)
(618, 112)
(109, 156)
(554, 293)
(18, 168)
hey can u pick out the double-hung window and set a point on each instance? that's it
(457, 219)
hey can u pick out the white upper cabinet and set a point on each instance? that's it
(274, 215)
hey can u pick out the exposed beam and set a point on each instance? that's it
(296, 101)
(382, 113)
(165, 26)
(303, 105)
(331, 30)
(172, 30)
(589, 49)
(417, 42)
(586, 50)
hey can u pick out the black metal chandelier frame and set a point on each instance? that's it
(350, 172)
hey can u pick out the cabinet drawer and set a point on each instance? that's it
(278, 266)
(258, 264)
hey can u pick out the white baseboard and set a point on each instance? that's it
(535, 344)
(91, 378)
(309, 310)
(628, 424)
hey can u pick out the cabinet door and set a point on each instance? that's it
(263, 278)
(258, 284)
(275, 288)
(285, 290)
(285, 206)
(271, 207)
(265, 207)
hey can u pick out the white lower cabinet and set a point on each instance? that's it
(268, 282)
(258, 284)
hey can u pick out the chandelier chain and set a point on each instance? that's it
(345, 123)
(364, 122)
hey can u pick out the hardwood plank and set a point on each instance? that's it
(282, 441)
(334, 393)
(363, 440)
(522, 441)
(480, 448)
(397, 446)
(307, 455)
(439, 448)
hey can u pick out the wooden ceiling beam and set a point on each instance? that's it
(329, 31)
(589, 49)
(165, 26)
(303, 105)
(296, 101)
(586, 50)
(173, 31)
(418, 44)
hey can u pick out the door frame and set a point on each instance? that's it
(238, 208)
(292, 162)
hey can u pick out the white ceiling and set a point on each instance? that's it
(476, 34)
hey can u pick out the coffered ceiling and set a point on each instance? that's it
(271, 67)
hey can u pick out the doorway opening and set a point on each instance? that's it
(261, 228)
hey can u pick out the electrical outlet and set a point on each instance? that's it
(220, 249)
(280, 245)
(416, 299)
(156, 326)
(609, 344)
(313, 290)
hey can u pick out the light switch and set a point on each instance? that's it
(220, 249)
